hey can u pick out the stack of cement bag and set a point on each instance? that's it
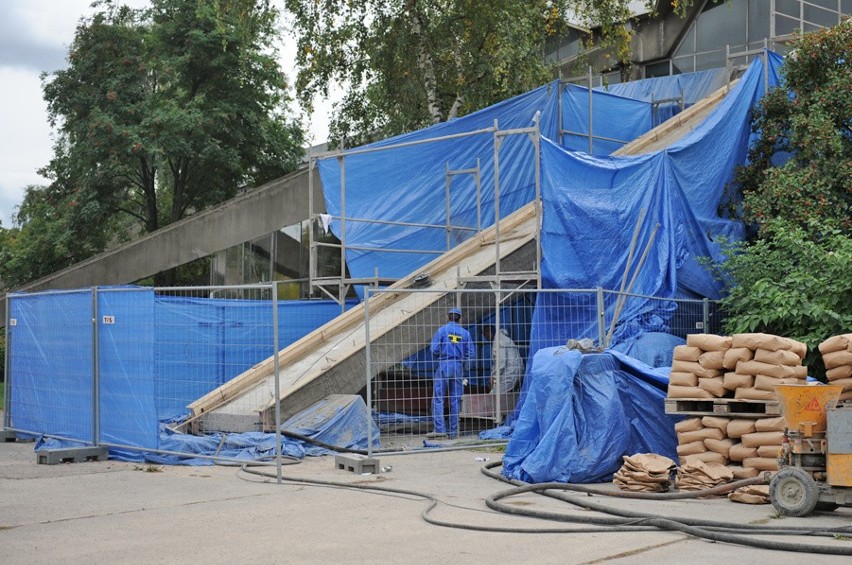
(747, 446)
(753, 494)
(698, 475)
(646, 472)
(837, 356)
(744, 366)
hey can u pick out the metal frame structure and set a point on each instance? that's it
(9, 433)
(774, 14)
(344, 283)
(589, 80)
(490, 302)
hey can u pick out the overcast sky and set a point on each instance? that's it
(34, 38)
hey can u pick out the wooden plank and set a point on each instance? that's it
(668, 132)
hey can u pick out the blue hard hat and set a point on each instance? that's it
(455, 311)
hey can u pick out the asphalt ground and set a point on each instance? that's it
(115, 512)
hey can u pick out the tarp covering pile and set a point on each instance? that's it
(583, 413)
(156, 354)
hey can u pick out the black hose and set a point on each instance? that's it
(434, 502)
(336, 448)
(722, 526)
(707, 529)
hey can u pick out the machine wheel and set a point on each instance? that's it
(793, 492)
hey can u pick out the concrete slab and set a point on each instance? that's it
(107, 512)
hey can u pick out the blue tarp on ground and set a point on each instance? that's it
(583, 413)
(155, 356)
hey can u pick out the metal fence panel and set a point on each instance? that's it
(402, 370)
(115, 366)
(51, 374)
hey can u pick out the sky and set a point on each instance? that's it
(34, 38)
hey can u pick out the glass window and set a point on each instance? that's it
(758, 20)
(830, 5)
(721, 24)
(682, 65)
(785, 25)
(846, 7)
(789, 7)
(687, 46)
(712, 60)
(257, 256)
(657, 70)
(820, 17)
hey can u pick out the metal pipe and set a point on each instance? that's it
(590, 111)
(627, 267)
(497, 142)
(601, 318)
(7, 366)
(342, 161)
(397, 223)
(536, 139)
(632, 281)
(276, 364)
(602, 137)
(368, 379)
(96, 415)
(478, 197)
(772, 33)
(447, 204)
(560, 124)
(312, 259)
(497, 357)
(364, 150)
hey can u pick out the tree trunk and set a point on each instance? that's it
(424, 61)
(148, 176)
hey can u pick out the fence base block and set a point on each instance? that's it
(71, 455)
(358, 464)
(8, 436)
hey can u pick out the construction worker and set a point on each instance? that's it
(454, 349)
(510, 367)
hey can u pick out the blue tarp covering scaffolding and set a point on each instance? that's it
(407, 183)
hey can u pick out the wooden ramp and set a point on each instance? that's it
(332, 359)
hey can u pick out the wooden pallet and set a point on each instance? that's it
(733, 407)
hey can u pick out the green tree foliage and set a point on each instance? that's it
(793, 278)
(406, 64)
(167, 110)
(789, 283)
(810, 120)
(47, 237)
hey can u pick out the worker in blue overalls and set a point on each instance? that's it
(454, 349)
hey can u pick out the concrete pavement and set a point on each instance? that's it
(108, 512)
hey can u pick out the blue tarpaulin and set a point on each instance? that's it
(690, 88)
(408, 184)
(583, 413)
(156, 355)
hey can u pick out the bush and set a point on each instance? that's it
(791, 284)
